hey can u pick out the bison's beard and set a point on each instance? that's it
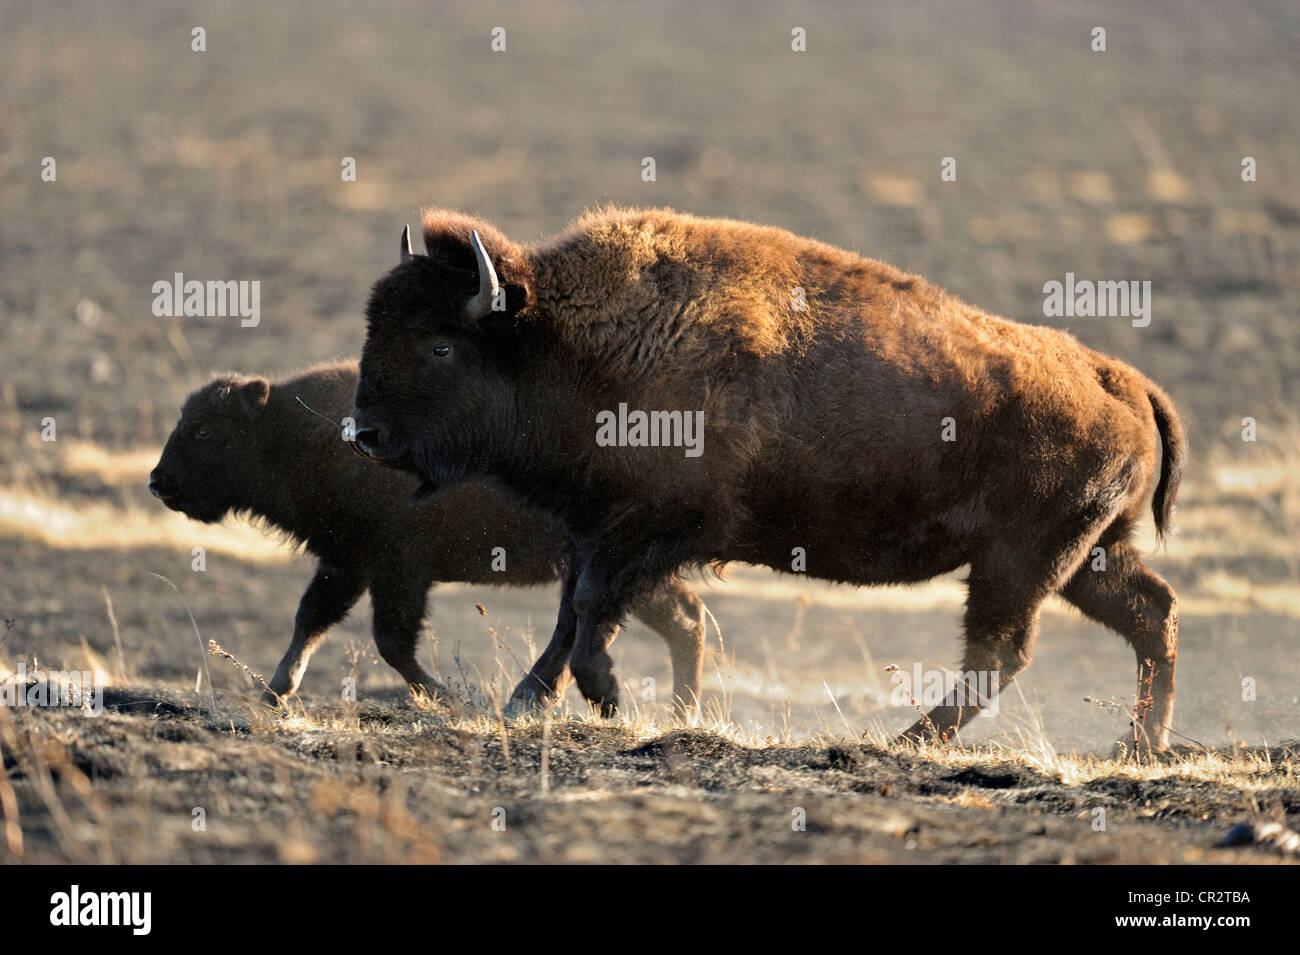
(436, 471)
(426, 490)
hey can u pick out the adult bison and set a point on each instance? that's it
(248, 446)
(858, 421)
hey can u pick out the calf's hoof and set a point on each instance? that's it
(428, 690)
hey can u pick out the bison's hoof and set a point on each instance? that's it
(529, 699)
(273, 699)
(606, 708)
(914, 735)
(1143, 750)
(923, 731)
(520, 707)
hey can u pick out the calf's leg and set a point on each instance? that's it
(333, 591)
(399, 615)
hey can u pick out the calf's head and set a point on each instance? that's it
(212, 462)
(442, 354)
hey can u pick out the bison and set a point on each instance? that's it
(859, 423)
(245, 445)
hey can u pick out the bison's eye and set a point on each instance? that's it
(203, 434)
(442, 349)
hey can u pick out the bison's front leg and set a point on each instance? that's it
(1001, 625)
(326, 601)
(600, 610)
(545, 682)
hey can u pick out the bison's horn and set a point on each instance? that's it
(407, 254)
(488, 286)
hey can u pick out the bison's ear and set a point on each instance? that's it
(253, 394)
(466, 244)
(495, 296)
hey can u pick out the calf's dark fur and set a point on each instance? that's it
(246, 445)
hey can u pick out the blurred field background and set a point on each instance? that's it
(226, 164)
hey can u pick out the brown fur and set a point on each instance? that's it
(267, 456)
(823, 426)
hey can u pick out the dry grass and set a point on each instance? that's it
(360, 781)
(367, 783)
(27, 514)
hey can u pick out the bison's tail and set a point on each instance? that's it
(1173, 444)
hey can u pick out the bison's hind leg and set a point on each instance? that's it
(1006, 587)
(1001, 626)
(1129, 598)
(677, 615)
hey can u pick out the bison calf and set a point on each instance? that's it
(859, 424)
(246, 446)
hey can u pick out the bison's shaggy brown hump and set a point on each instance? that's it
(634, 285)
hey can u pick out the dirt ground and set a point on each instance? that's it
(225, 164)
(377, 783)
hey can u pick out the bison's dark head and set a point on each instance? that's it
(212, 463)
(442, 355)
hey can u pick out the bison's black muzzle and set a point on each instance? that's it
(163, 486)
(366, 438)
(371, 440)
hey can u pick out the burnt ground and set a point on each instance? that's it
(386, 783)
(1122, 165)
